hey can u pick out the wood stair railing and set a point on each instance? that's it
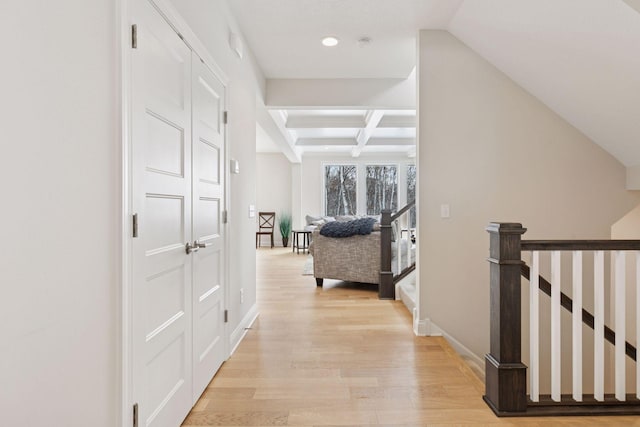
(387, 288)
(506, 374)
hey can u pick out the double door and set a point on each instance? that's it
(178, 197)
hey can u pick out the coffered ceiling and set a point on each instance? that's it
(349, 131)
(579, 57)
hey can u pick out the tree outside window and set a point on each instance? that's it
(411, 193)
(340, 189)
(382, 188)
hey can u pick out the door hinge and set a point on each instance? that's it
(225, 117)
(135, 415)
(135, 225)
(224, 217)
(226, 316)
(134, 36)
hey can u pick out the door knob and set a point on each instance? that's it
(199, 245)
(188, 248)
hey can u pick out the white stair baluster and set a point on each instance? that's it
(619, 283)
(556, 350)
(577, 326)
(534, 326)
(598, 327)
(398, 248)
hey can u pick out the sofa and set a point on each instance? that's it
(351, 259)
(357, 258)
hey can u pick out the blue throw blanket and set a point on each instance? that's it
(360, 226)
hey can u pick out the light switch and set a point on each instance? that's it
(252, 211)
(234, 166)
(445, 211)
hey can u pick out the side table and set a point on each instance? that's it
(298, 244)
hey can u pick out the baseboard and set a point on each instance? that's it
(238, 334)
(460, 348)
(421, 327)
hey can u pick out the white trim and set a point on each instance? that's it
(123, 77)
(241, 330)
(421, 327)
(123, 65)
(426, 328)
(227, 227)
(460, 348)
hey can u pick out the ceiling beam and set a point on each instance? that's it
(392, 141)
(342, 93)
(335, 122)
(372, 119)
(389, 121)
(273, 122)
(308, 142)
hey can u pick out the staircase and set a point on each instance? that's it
(514, 389)
(396, 236)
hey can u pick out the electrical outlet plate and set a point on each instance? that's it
(445, 211)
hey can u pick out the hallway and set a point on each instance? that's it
(339, 356)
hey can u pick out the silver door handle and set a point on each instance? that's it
(188, 248)
(201, 245)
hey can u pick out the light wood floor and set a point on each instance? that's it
(339, 356)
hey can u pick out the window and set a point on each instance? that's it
(382, 188)
(411, 193)
(340, 189)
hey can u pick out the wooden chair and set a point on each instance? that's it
(266, 224)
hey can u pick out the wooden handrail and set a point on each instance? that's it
(506, 377)
(580, 245)
(403, 210)
(587, 318)
(386, 288)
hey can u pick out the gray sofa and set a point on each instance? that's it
(352, 259)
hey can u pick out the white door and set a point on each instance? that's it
(161, 196)
(208, 203)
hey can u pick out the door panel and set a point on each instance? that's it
(208, 203)
(161, 189)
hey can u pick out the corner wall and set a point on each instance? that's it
(493, 152)
(273, 188)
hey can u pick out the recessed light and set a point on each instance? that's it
(330, 41)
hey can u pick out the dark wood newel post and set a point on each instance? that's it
(386, 287)
(506, 375)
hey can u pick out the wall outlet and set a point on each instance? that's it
(241, 296)
(445, 211)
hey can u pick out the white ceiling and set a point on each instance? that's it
(579, 57)
(285, 35)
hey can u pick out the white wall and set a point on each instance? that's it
(212, 21)
(311, 188)
(59, 267)
(495, 153)
(60, 169)
(633, 177)
(273, 188)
